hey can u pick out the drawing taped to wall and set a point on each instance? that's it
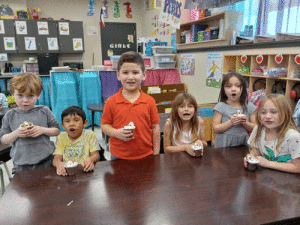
(214, 70)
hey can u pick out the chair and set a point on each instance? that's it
(4, 157)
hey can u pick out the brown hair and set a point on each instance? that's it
(131, 57)
(285, 113)
(244, 96)
(176, 121)
(26, 82)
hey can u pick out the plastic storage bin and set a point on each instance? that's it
(164, 57)
(162, 50)
(150, 45)
(165, 65)
(114, 60)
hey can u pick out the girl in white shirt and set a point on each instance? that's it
(183, 127)
(275, 140)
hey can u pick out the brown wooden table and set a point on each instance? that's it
(163, 189)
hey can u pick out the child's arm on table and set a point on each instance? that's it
(219, 127)
(89, 163)
(156, 138)
(249, 125)
(125, 135)
(60, 165)
(290, 167)
(168, 142)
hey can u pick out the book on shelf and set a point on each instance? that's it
(264, 38)
(195, 29)
(286, 36)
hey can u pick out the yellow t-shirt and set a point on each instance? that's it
(77, 150)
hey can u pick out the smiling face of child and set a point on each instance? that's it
(186, 111)
(269, 116)
(73, 124)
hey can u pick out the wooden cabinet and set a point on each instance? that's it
(234, 62)
(165, 98)
(226, 29)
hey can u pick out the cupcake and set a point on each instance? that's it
(71, 167)
(26, 124)
(252, 163)
(197, 149)
(130, 127)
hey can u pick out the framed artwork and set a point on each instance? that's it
(22, 14)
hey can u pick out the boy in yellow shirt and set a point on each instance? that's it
(76, 144)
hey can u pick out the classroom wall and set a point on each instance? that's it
(196, 85)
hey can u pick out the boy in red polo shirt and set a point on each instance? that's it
(130, 104)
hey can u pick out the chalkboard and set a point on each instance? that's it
(117, 38)
(22, 15)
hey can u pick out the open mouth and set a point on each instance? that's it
(72, 129)
(186, 114)
(234, 94)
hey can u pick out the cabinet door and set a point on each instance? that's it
(32, 36)
(26, 36)
(7, 37)
(70, 36)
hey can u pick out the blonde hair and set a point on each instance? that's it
(285, 114)
(177, 122)
(26, 82)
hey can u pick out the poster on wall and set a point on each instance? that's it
(92, 30)
(43, 28)
(2, 30)
(30, 43)
(52, 43)
(3, 57)
(9, 43)
(171, 13)
(214, 70)
(63, 28)
(21, 27)
(77, 44)
(187, 65)
(158, 4)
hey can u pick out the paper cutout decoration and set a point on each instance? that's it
(130, 38)
(116, 8)
(297, 59)
(128, 10)
(21, 27)
(278, 58)
(259, 59)
(77, 44)
(92, 30)
(168, 31)
(105, 9)
(243, 58)
(52, 43)
(30, 43)
(9, 43)
(147, 5)
(64, 28)
(91, 4)
(158, 4)
(2, 30)
(43, 28)
(154, 32)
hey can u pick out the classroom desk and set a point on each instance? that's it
(162, 189)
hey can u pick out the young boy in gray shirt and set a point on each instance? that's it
(29, 127)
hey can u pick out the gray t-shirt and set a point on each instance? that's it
(236, 135)
(29, 151)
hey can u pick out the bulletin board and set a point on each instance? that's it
(117, 38)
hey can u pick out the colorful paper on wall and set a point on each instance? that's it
(116, 9)
(2, 30)
(171, 13)
(3, 57)
(64, 28)
(92, 30)
(30, 43)
(43, 28)
(187, 65)
(52, 44)
(105, 10)
(147, 5)
(214, 70)
(21, 27)
(9, 43)
(128, 10)
(77, 44)
(158, 4)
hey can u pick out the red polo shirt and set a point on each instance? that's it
(119, 112)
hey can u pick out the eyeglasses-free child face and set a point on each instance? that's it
(269, 116)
